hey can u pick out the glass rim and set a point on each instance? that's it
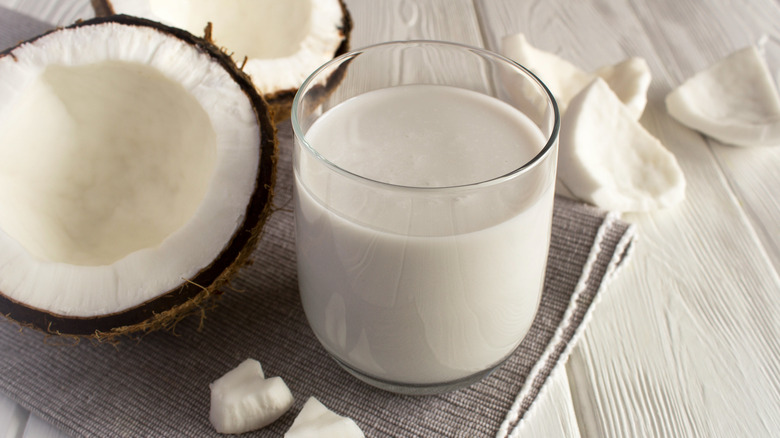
(552, 138)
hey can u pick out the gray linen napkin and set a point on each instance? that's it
(158, 386)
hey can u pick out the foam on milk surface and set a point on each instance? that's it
(417, 308)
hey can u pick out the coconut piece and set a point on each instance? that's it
(282, 41)
(317, 421)
(243, 399)
(146, 189)
(607, 158)
(629, 79)
(734, 100)
(563, 78)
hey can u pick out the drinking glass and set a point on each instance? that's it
(424, 182)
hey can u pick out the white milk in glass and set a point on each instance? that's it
(413, 273)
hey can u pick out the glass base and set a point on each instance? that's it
(418, 388)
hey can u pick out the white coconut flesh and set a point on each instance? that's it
(317, 421)
(734, 101)
(629, 79)
(608, 159)
(125, 168)
(282, 40)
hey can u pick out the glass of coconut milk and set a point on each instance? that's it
(424, 181)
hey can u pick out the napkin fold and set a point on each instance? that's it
(159, 386)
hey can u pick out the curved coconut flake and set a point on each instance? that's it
(629, 79)
(282, 41)
(734, 101)
(607, 158)
(563, 78)
(144, 188)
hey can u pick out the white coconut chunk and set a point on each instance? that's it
(608, 159)
(734, 101)
(243, 399)
(317, 421)
(629, 79)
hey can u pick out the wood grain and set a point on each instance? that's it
(684, 343)
(753, 174)
(448, 20)
(60, 13)
(552, 414)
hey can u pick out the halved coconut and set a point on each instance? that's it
(283, 41)
(136, 170)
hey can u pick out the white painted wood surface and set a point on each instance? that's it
(685, 342)
(60, 13)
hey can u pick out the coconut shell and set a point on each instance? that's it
(280, 101)
(195, 295)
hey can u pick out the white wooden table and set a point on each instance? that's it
(686, 341)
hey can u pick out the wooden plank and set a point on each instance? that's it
(684, 342)
(753, 174)
(582, 32)
(378, 21)
(552, 414)
(59, 13)
(716, 324)
(13, 418)
(400, 20)
(37, 428)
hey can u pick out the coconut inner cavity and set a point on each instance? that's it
(253, 28)
(81, 183)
